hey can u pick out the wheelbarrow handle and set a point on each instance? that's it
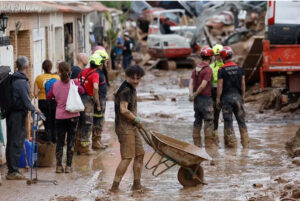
(147, 137)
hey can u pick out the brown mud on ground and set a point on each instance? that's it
(230, 176)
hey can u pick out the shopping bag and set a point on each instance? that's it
(74, 103)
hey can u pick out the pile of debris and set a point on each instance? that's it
(140, 54)
(236, 31)
(293, 146)
(273, 98)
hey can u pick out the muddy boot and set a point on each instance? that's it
(210, 142)
(68, 169)
(216, 137)
(244, 137)
(209, 135)
(115, 187)
(84, 148)
(59, 169)
(77, 145)
(197, 136)
(15, 176)
(96, 142)
(229, 138)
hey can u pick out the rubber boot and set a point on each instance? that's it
(244, 137)
(77, 145)
(197, 136)
(216, 137)
(210, 141)
(229, 138)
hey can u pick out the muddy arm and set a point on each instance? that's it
(125, 112)
(220, 89)
(36, 90)
(191, 86)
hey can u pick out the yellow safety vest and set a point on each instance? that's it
(215, 68)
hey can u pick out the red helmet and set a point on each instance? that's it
(206, 52)
(226, 52)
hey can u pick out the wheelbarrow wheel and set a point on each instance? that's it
(185, 177)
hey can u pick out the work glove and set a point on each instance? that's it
(137, 122)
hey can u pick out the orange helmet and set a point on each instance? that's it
(226, 52)
(206, 52)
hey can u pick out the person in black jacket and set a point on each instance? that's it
(16, 118)
(166, 27)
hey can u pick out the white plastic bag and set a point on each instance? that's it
(74, 103)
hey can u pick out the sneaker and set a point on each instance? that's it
(68, 169)
(15, 176)
(59, 169)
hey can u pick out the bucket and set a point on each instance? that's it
(29, 148)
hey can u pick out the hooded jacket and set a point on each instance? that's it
(21, 91)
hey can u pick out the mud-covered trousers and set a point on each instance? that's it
(203, 107)
(65, 127)
(216, 109)
(98, 119)
(85, 120)
(48, 108)
(233, 103)
(16, 134)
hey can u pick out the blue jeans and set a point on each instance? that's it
(126, 61)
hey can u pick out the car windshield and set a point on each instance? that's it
(173, 17)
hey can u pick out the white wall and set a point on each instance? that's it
(6, 59)
(55, 38)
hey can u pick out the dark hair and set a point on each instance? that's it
(205, 58)
(47, 66)
(135, 70)
(64, 69)
(228, 57)
(93, 65)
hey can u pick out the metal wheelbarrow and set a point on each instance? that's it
(175, 152)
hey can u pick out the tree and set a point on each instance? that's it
(111, 35)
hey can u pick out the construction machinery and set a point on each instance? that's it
(281, 49)
(172, 49)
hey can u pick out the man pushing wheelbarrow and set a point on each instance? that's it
(169, 149)
(126, 121)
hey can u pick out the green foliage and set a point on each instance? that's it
(111, 33)
(116, 4)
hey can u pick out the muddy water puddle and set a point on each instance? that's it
(230, 176)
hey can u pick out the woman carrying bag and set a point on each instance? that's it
(66, 121)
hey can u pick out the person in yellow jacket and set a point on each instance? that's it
(218, 63)
(47, 107)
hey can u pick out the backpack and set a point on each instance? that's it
(82, 82)
(6, 98)
(49, 84)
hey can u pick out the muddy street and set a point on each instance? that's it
(236, 174)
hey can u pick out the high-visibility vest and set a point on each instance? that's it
(215, 68)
